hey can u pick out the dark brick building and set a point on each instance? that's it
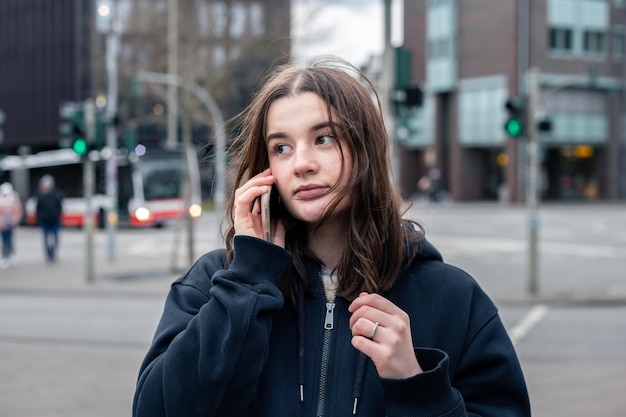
(44, 56)
(471, 56)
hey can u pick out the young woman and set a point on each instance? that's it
(348, 310)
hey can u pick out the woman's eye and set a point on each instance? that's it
(280, 149)
(325, 139)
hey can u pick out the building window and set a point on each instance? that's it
(561, 39)
(438, 3)
(593, 42)
(618, 43)
(238, 20)
(439, 48)
(257, 19)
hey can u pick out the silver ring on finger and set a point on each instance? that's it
(373, 331)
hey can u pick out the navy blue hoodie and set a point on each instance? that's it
(228, 345)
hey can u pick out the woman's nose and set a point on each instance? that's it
(304, 162)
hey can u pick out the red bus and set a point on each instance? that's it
(150, 186)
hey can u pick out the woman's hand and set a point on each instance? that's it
(382, 331)
(247, 209)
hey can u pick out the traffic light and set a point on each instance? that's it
(545, 124)
(406, 94)
(72, 127)
(80, 146)
(414, 96)
(514, 125)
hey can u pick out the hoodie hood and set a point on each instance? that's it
(419, 250)
(426, 251)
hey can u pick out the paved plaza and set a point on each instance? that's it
(71, 347)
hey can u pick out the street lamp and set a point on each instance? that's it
(108, 22)
(104, 10)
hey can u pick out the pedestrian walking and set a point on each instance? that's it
(10, 217)
(48, 212)
(347, 309)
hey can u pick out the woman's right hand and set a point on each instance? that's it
(247, 209)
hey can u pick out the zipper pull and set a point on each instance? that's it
(328, 323)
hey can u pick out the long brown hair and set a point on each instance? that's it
(373, 256)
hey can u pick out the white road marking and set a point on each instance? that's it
(534, 316)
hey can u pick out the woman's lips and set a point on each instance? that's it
(309, 192)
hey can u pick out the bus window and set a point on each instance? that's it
(161, 180)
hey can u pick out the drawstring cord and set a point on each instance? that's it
(301, 348)
(358, 381)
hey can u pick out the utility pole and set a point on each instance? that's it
(523, 49)
(172, 69)
(187, 191)
(388, 70)
(112, 52)
(622, 124)
(388, 81)
(532, 189)
(89, 109)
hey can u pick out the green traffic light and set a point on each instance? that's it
(80, 147)
(513, 127)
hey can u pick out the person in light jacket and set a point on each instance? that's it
(348, 309)
(10, 217)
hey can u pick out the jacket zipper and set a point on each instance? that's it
(328, 326)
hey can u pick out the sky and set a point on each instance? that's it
(350, 29)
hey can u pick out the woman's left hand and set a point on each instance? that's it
(382, 331)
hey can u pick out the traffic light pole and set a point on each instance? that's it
(111, 132)
(172, 68)
(88, 186)
(532, 188)
(387, 82)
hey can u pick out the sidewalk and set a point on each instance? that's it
(581, 249)
(117, 278)
(142, 263)
(486, 239)
(128, 274)
(583, 259)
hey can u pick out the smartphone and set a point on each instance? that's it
(265, 215)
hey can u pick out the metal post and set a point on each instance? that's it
(532, 200)
(622, 125)
(388, 83)
(113, 38)
(388, 70)
(172, 69)
(189, 153)
(89, 109)
(186, 189)
(523, 25)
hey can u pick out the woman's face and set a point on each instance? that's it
(304, 156)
